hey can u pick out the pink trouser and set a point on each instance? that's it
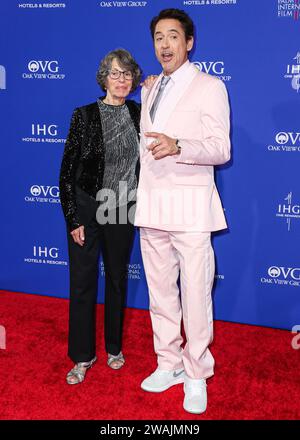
(165, 254)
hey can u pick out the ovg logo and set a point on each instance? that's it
(293, 72)
(274, 272)
(287, 273)
(282, 276)
(216, 68)
(50, 66)
(282, 138)
(122, 4)
(287, 141)
(43, 194)
(33, 66)
(35, 190)
(39, 69)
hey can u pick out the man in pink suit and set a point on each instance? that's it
(184, 133)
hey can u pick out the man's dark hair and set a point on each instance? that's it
(177, 14)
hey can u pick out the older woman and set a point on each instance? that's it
(100, 160)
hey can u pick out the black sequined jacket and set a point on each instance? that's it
(83, 159)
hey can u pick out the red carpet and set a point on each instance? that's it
(256, 375)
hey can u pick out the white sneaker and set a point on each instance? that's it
(195, 400)
(161, 380)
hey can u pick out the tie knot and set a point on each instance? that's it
(164, 81)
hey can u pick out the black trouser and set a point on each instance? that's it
(115, 241)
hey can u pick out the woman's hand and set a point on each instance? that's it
(149, 81)
(78, 235)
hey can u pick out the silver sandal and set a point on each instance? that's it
(112, 359)
(77, 373)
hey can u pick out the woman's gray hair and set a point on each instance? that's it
(126, 61)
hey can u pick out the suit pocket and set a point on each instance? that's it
(192, 180)
(192, 175)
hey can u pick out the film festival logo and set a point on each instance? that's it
(43, 70)
(45, 255)
(2, 78)
(282, 276)
(44, 133)
(43, 194)
(216, 68)
(288, 210)
(286, 141)
(133, 271)
(209, 2)
(288, 9)
(293, 73)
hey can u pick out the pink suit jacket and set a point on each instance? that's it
(178, 193)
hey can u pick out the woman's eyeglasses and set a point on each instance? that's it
(115, 74)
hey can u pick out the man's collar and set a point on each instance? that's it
(179, 74)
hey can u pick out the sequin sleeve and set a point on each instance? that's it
(69, 166)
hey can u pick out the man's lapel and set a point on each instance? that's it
(146, 123)
(169, 103)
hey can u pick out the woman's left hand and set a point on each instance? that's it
(149, 81)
